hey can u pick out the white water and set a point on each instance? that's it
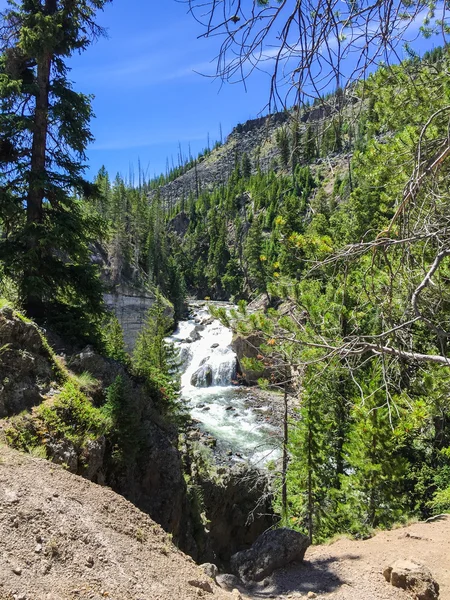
(221, 408)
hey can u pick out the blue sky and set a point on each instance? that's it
(148, 96)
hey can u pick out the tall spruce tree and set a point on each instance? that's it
(44, 130)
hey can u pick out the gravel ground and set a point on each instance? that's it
(65, 538)
(353, 570)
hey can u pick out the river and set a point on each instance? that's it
(241, 427)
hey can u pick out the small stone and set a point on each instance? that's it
(228, 582)
(202, 585)
(11, 497)
(38, 548)
(413, 577)
(90, 561)
(210, 569)
(236, 594)
(311, 595)
(46, 568)
(17, 570)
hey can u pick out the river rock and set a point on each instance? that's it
(185, 356)
(203, 377)
(272, 550)
(413, 577)
(195, 335)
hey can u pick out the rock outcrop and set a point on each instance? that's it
(414, 578)
(256, 138)
(272, 550)
(26, 369)
(238, 506)
(130, 307)
(138, 458)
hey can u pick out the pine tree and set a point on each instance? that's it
(154, 357)
(44, 125)
(255, 256)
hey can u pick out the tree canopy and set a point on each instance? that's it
(44, 130)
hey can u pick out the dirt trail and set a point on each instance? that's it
(352, 570)
(65, 538)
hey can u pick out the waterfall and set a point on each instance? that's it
(221, 409)
(205, 352)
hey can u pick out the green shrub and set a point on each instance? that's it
(72, 416)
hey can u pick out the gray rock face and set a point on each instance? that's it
(272, 550)
(130, 307)
(228, 502)
(63, 452)
(180, 224)
(413, 577)
(203, 377)
(185, 356)
(25, 364)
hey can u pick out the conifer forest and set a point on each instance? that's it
(324, 223)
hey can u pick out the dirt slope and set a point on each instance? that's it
(65, 538)
(352, 570)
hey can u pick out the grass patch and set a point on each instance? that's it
(71, 415)
(87, 382)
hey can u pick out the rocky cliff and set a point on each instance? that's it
(66, 538)
(89, 414)
(130, 306)
(256, 138)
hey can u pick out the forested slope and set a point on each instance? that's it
(345, 230)
(350, 234)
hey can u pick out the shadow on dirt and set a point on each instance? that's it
(318, 577)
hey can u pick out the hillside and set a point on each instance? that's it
(261, 140)
(66, 538)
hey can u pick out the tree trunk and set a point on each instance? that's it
(33, 300)
(285, 456)
(310, 482)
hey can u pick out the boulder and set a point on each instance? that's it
(210, 569)
(228, 582)
(195, 336)
(203, 377)
(272, 550)
(249, 347)
(185, 356)
(413, 577)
